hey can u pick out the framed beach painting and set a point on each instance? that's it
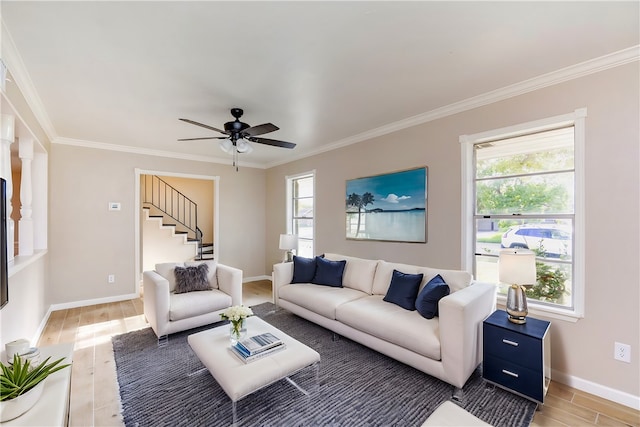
(391, 207)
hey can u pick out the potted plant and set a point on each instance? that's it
(21, 385)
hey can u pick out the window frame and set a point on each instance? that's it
(467, 142)
(290, 205)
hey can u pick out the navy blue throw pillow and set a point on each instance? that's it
(430, 295)
(403, 289)
(329, 272)
(303, 269)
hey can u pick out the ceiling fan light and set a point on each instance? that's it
(226, 146)
(243, 146)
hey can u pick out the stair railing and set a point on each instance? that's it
(171, 202)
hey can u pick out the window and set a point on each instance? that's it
(300, 194)
(523, 189)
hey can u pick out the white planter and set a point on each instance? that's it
(10, 409)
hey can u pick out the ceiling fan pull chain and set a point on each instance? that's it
(235, 158)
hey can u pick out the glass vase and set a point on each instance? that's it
(237, 330)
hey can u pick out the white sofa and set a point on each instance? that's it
(168, 312)
(447, 346)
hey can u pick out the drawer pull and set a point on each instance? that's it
(512, 374)
(513, 343)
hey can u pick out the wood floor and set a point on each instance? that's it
(94, 391)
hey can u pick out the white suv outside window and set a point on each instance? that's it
(552, 241)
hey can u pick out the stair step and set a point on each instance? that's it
(207, 252)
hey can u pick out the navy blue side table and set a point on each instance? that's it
(517, 357)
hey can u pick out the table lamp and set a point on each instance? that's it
(517, 268)
(288, 243)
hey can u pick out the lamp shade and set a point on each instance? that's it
(517, 267)
(243, 146)
(226, 146)
(288, 242)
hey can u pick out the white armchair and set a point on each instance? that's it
(169, 312)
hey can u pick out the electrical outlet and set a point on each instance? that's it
(622, 352)
(111, 278)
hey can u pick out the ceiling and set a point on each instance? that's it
(120, 74)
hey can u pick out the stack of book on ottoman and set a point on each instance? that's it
(257, 346)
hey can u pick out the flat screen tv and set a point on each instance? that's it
(4, 267)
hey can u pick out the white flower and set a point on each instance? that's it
(236, 313)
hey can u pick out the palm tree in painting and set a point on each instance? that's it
(359, 201)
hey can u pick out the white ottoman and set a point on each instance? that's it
(449, 414)
(238, 379)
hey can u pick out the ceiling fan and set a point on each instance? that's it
(239, 135)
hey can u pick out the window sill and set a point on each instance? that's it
(19, 263)
(544, 311)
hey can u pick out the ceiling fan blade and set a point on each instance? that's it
(260, 129)
(273, 142)
(208, 137)
(203, 125)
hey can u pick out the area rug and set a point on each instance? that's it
(167, 386)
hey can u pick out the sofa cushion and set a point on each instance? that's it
(303, 269)
(456, 279)
(392, 323)
(403, 289)
(322, 300)
(212, 274)
(191, 279)
(358, 273)
(191, 304)
(166, 269)
(430, 295)
(328, 272)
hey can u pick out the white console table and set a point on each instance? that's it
(52, 409)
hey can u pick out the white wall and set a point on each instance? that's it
(84, 180)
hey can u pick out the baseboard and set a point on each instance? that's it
(255, 278)
(75, 304)
(599, 390)
(43, 324)
(84, 303)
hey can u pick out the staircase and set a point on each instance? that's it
(164, 203)
(205, 251)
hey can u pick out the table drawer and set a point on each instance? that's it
(515, 377)
(506, 344)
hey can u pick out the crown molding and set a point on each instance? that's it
(21, 78)
(23, 129)
(572, 72)
(151, 152)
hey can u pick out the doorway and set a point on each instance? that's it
(208, 219)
